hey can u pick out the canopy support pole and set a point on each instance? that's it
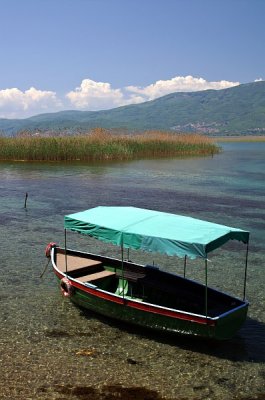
(185, 264)
(206, 289)
(245, 278)
(128, 254)
(65, 253)
(122, 268)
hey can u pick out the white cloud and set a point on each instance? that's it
(178, 84)
(15, 103)
(93, 95)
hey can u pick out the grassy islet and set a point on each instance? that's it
(101, 145)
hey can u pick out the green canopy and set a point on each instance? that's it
(153, 231)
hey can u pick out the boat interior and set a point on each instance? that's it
(143, 283)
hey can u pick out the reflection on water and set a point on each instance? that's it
(53, 350)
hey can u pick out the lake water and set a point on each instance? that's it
(52, 350)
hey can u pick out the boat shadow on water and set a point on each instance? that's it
(247, 346)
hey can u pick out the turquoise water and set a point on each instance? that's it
(51, 350)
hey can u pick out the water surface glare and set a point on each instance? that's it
(52, 350)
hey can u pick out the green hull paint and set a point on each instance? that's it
(228, 325)
(225, 327)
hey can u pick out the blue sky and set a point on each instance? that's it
(99, 54)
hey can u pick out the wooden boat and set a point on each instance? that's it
(145, 295)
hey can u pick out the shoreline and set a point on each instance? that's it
(247, 138)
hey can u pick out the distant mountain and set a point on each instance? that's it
(237, 110)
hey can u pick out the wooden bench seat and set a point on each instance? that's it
(132, 273)
(95, 276)
(131, 276)
(75, 263)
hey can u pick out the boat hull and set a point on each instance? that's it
(157, 318)
(96, 298)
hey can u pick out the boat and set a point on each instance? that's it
(147, 295)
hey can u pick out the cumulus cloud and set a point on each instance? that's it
(177, 84)
(93, 95)
(15, 103)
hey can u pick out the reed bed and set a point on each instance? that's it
(100, 145)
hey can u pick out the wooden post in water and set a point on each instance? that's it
(26, 198)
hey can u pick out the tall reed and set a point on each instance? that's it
(101, 144)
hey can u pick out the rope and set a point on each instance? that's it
(46, 266)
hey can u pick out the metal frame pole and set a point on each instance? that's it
(185, 264)
(122, 266)
(65, 252)
(206, 289)
(245, 278)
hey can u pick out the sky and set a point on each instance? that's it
(99, 54)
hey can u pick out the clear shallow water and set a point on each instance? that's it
(42, 335)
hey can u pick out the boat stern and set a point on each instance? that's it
(229, 323)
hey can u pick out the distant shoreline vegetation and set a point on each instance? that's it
(240, 138)
(102, 145)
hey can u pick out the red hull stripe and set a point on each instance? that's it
(140, 306)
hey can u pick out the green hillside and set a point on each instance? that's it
(237, 110)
